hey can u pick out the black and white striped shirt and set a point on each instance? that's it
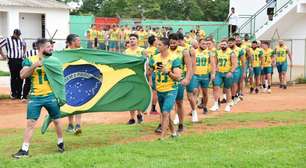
(31, 53)
(14, 47)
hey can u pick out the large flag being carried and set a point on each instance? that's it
(99, 81)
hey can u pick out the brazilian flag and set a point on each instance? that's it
(98, 81)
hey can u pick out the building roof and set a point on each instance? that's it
(35, 3)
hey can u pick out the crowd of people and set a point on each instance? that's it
(228, 67)
(175, 63)
(116, 38)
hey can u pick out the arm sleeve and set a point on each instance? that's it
(26, 62)
(3, 42)
(151, 62)
(261, 53)
(241, 53)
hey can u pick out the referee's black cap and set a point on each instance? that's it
(17, 32)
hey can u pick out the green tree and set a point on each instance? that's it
(215, 10)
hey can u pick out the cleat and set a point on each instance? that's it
(269, 91)
(227, 108)
(60, 147)
(232, 103)
(70, 129)
(236, 100)
(214, 108)
(251, 90)
(21, 154)
(139, 118)
(223, 101)
(158, 129)
(256, 91)
(205, 110)
(131, 122)
(77, 130)
(180, 128)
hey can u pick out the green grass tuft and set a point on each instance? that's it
(106, 145)
(2, 73)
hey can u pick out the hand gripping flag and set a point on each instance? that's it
(99, 81)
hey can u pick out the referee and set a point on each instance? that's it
(27, 81)
(15, 49)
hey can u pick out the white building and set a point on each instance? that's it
(35, 19)
(289, 24)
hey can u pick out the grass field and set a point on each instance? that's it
(281, 144)
(2, 73)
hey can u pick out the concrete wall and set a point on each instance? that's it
(30, 25)
(3, 23)
(56, 19)
(247, 7)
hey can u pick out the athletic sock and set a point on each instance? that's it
(264, 86)
(25, 146)
(60, 140)
(233, 97)
(269, 87)
(78, 126)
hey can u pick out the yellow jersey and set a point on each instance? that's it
(92, 34)
(186, 46)
(224, 64)
(141, 38)
(178, 53)
(101, 36)
(268, 55)
(257, 54)
(39, 82)
(239, 52)
(138, 52)
(246, 44)
(152, 51)
(281, 54)
(201, 33)
(188, 40)
(163, 82)
(127, 33)
(114, 35)
(202, 62)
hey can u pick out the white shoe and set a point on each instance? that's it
(228, 108)
(265, 90)
(176, 120)
(194, 116)
(236, 100)
(215, 107)
(269, 91)
(231, 103)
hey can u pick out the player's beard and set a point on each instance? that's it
(223, 48)
(202, 48)
(47, 54)
(173, 48)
